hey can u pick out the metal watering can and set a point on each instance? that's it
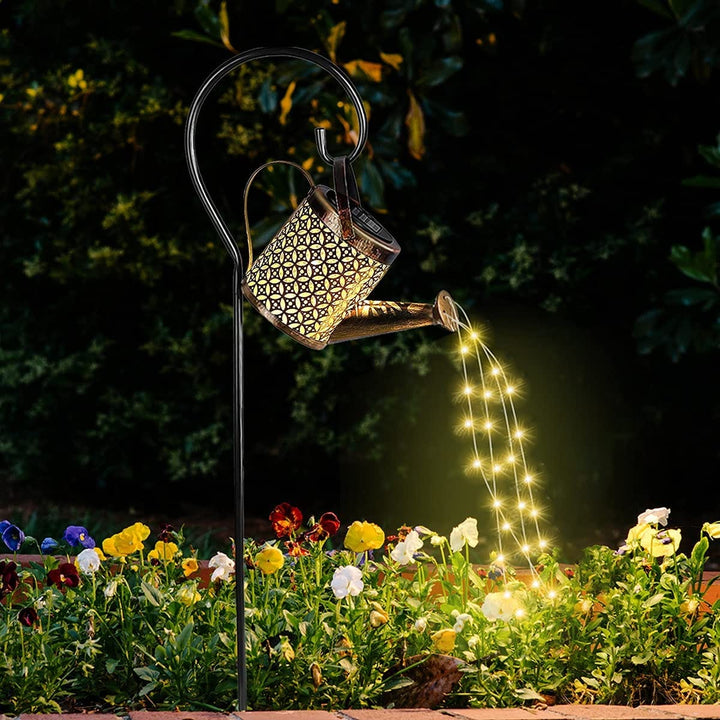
(313, 279)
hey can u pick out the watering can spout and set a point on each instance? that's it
(379, 317)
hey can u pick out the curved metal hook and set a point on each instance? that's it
(214, 78)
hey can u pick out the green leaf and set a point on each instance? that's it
(697, 557)
(207, 18)
(153, 595)
(529, 694)
(654, 600)
(183, 639)
(440, 71)
(705, 181)
(267, 97)
(110, 665)
(698, 266)
(687, 297)
(196, 37)
(710, 154)
(396, 683)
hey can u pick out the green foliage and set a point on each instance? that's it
(631, 627)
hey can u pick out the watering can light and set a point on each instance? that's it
(312, 280)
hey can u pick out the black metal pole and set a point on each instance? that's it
(238, 271)
(239, 490)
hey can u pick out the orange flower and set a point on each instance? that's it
(285, 519)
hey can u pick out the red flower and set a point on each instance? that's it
(285, 519)
(569, 572)
(295, 549)
(8, 578)
(167, 533)
(326, 526)
(66, 574)
(28, 616)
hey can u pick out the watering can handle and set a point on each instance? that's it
(214, 78)
(346, 194)
(246, 191)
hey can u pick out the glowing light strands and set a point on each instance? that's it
(498, 446)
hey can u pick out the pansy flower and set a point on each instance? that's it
(163, 551)
(64, 575)
(295, 549)
(364, 536)
(12, 535)
(269, 560)
(190, 566)
(8, 577)
(285, 519)
(28, 616)
(48, 545)
(325, 527)
(78, 536)
(167, 533)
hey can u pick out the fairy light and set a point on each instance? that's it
(552, 594)
(519, 613)
(491, 422)
(535, 584)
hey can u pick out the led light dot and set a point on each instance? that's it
(468, 423)
(500, 558)
(511, 459)
(528, 478)
(519, 434)
(552, 594)
(467, 390)
(507, 594)
(526, 548)
(534, 513)
(487, 394)
(543, 543)
(476, 463)
(495, 371)
(509, 389)
(506, 526)
(521, 505)
(488, 425)
(474, 335)
(497, 503)
(497, 468)
(519, 613)
(535, 584)
(464, 349)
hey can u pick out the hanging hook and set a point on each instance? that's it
(320, 137)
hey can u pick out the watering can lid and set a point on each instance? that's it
(371, 238)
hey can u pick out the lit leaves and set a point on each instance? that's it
(415, 123)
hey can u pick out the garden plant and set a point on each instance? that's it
(353, 618)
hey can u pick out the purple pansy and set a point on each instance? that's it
(78, 536)
(12, 536)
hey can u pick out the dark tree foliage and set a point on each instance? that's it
(552, 164)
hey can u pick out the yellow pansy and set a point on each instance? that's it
(189, 566)
(635, 534)
(269, 560)
(126, 541)
(362, 536)
(163, 551)
(661, 543)
(378, 616)
(100, 553)
(712, 529)
(188, 595)
(444, 640)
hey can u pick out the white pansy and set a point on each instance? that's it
(88, 561)
(420, 624)
(110, 589)
(404, 552)
(224, 567)
(500, 606)
(437, 540)
(465, 532)
(654, 516)
(347, 581)
(460, 621)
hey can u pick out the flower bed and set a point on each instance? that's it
(353, 620)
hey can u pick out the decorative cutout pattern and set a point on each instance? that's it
(308, 277)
